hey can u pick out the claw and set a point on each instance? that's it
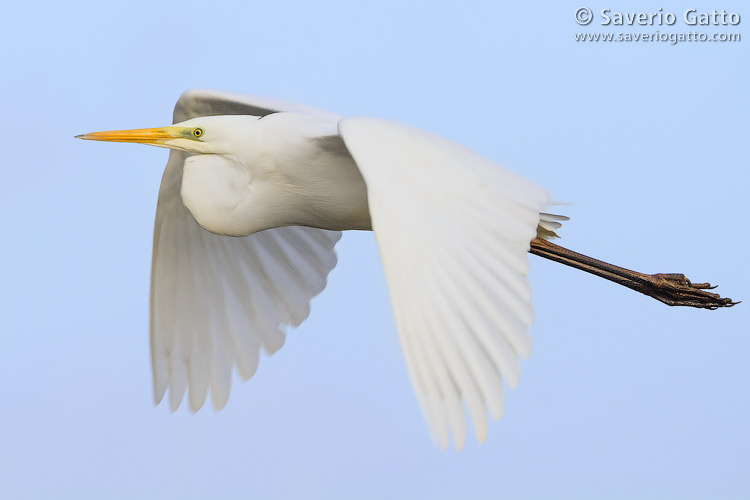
(704, 286)
(677, 290)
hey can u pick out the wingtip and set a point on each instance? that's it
(219, 401)
(458, 444)
(159, 392)
(175, 400)
(196, 405)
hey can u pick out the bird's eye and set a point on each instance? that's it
(198, 132)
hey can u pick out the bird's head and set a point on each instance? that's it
(206, 134)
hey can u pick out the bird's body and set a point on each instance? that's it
(283, 169)
(252, 202)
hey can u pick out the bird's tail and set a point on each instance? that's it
(548, 223)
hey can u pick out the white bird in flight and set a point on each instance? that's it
(253, 199)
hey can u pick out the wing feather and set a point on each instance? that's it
(452, 339)
(454, 230)
(472, 333)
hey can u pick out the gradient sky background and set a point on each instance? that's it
(623, 397)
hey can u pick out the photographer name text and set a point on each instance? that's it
(690, 17)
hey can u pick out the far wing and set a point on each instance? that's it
(194, 103)
(454, 230)
(215, 300)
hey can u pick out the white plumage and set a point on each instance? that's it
(453, 230)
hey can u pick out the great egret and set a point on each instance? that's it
(252, 202)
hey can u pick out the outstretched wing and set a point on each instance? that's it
(215, 300)
(454, 230)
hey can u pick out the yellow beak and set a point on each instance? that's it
(140, 135)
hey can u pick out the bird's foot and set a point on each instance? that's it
(677, 290)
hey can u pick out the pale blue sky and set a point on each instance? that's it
(623, 397)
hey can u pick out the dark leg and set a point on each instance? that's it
(672, 289)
